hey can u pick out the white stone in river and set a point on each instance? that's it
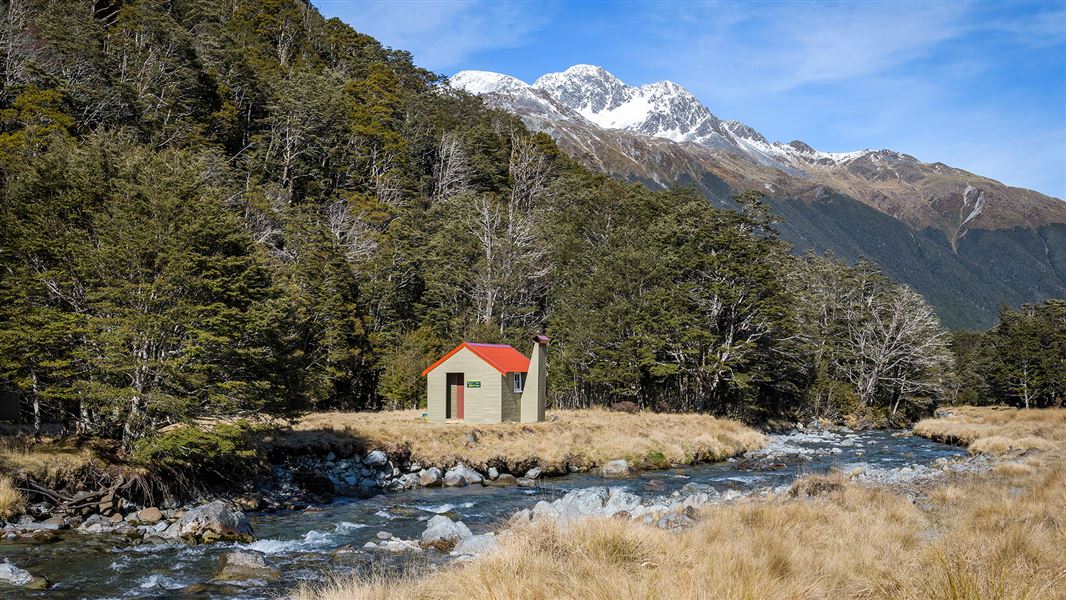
(377, 457)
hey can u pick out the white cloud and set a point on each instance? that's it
(441, 35)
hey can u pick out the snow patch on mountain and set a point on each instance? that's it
(664, 109)
(487, 82)
(661, 109)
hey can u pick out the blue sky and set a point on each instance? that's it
(981, 86)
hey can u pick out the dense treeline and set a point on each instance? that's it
(1021, 361)
(238, 207)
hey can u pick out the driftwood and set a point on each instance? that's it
(80, 500)
(36, 488)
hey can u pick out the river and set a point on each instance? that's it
(301, 544)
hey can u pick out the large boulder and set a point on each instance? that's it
(580, 503)
(213, 522)
(443, 533)
(617, 468)
(13, 575)
(430, 477)
(475, 545)
(150, 515)
(241, 566)
(461, 475)
(620, 501)
(544, 510)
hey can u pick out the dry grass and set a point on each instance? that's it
(42, 461)
(12, 502)
(997, 430)
(984, 540)
(576, 437)
(997, 536)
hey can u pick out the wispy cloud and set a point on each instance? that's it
(970, 84)
(779, 47)
(442, 34)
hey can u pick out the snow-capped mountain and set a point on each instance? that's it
(602, 119)
(662, 109)
(969, 243)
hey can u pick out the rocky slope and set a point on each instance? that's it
(968, 243)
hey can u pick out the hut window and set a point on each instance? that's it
(519, 381)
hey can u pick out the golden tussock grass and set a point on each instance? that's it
(981, 541)
(589, 437)
(997, 430)
(12, 502)
(1000, 535)
(43, 461)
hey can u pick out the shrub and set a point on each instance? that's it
(656, 460)
(221, 450)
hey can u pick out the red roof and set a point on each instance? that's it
(501, 357)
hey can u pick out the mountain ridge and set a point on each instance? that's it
(661, 135)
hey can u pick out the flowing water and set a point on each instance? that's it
(301, 544)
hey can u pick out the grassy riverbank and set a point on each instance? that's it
(998, 429)
(998, 535)
(208, 453)
(569, 437)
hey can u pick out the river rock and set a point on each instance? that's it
(55, 523)
(534, 473)
(544, 510)
(461, 475)
(14, 575)
(375, 458)
(150, 515)
(239, 566)
(430, 477)
(617, 468)
(475, 545)
(398, 545)
(213, 522)
(620, 501)
(493, 473)
(96, 524)
(581, 503)
(526, 482)
(504, 479)
(442, 529)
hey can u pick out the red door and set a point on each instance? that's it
(459, 388)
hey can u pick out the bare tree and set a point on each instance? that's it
(452, 173)
(351, 231)
(511, 272)
(896, 346)
(14, 40)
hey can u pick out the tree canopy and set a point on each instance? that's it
(234, 208)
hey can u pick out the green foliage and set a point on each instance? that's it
(656, 460)
(401, 384)
(213, 211)
(1023, 358)
(222, 449)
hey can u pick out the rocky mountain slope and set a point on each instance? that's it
(968, 243)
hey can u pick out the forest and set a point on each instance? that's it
(237, 208)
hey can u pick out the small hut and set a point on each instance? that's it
(488, 383)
